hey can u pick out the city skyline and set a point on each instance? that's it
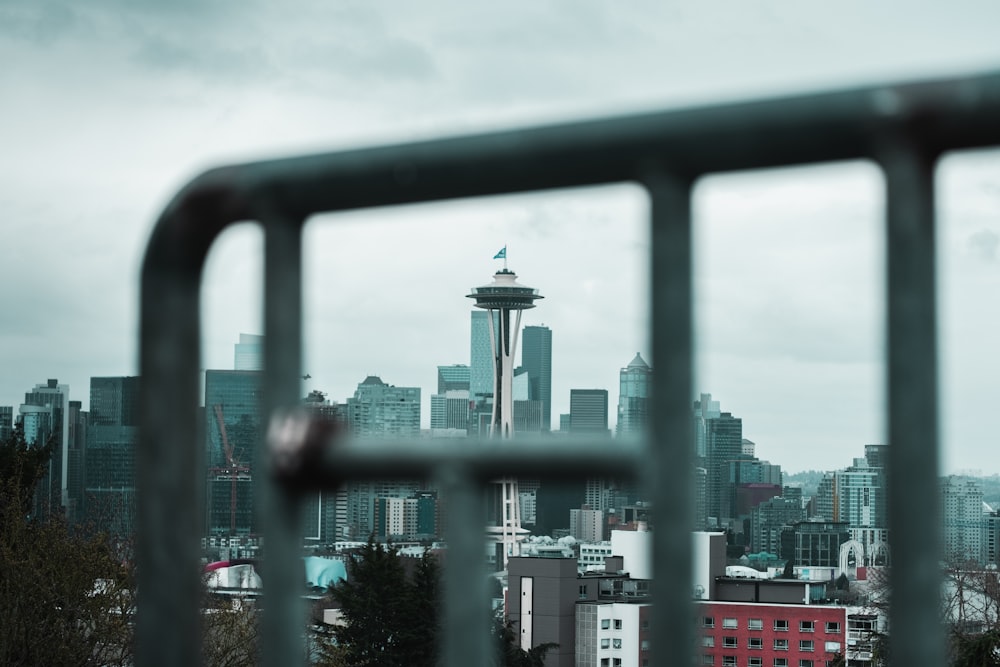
(787, 263)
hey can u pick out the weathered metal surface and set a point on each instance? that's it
(902, 127)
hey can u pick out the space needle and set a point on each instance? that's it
(503, 298)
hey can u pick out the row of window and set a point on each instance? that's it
(606, 623)
(731, 661)
(805, 645)
(608, 643)
(780, 625)
(611, 662)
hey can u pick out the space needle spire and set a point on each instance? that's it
(502, 299)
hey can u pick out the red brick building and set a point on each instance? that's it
(757, 634)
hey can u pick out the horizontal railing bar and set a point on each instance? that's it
(950, 114)
(360, 459)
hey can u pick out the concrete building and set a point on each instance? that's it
(450, 410)
(586, 525)
(962, 520)
(378, 409)
(455, 376)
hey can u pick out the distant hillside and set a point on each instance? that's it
(807, 479)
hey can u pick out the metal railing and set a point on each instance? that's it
(902, 128)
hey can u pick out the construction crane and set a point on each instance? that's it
(233, 469)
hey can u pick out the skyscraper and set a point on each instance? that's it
(456, 376)
(723, 443)
(45, 413)
(481, 360)
(112, 438)
(249, 353)
(536, 359)
(588, 410)
(633, 397)
(233, 427)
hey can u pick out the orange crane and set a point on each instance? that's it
(233, 469)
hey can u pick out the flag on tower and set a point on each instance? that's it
(502, 254)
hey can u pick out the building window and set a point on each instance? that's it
(617, 643)
(781, 662)
(780, 625)
(832, 628)
(618, 624)
(755, 624)
(645, 624)
(708, 622)
(755, 642)
(583, 591)
(755, 661)
(644, 645)
(605, 643)
(707, 659)
(832, 647)
(605, 623)
(729, 623)
(605, 662)
(805, 663)
(780, 644)
(729, 642)
(806, 645)
(616, 662)
(708, 642)
(807, 626)
(729, 661)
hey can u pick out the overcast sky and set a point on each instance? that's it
(108, 107)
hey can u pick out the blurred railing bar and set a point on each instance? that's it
(914, 513)
(364, 460)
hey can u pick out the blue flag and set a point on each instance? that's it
(502, 254)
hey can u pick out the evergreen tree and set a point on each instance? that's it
(64, 597)
(378, 608)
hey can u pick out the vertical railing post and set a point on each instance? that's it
(466, 620)
(281, 634)
(669, 477)
(170, 460)
(915, 630)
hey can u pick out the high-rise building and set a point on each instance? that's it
(45, 414)
(450, 410)
(723, 443)
(633, 397)
(767, 521)
(6, 421)
(110, 454)
(536, 359)
(233, 429)
(501, 299)
(249, 354)
(380, 409)
(482, 364)
(320, 510)
(704, 409)
(454, 377)
(962, 518)
(588, 410)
